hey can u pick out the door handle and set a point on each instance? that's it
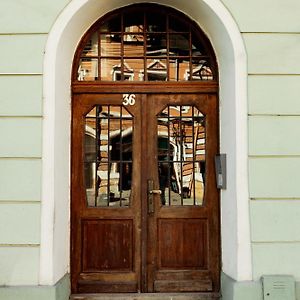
(151, 191)
(155, 192)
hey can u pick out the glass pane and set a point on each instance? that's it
(89, 175)
(133, 45)
(181, 155)
(110, 69)
(156, 69)
(179, 69)
(156, 45)
(91, 46)
(197, 46)
(134, 69)
(201, 70)
(110, 45)
(156, 22)
(176, 25)
(134, 22)
(88, 69)
(108, 156)
(111, 25)
(179, 44)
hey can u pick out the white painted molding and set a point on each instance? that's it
(71, 24)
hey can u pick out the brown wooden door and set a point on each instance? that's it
(145, 208)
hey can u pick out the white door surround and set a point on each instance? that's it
(215, 20)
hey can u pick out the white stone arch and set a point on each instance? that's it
(221, 29)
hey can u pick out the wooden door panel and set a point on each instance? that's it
(182, 244)
(165, 286)
(107, 245)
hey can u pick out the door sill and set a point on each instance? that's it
(147, 296)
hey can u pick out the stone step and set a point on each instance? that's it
(148, 296)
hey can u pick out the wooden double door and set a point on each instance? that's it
(145, 208)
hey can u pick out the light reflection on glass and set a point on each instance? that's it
(181, 155)
(88, 69)
(108, 156)
(91, 47)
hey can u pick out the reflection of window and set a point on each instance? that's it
(117, 73)
(156, 71)
(88, 69)
(201, 72)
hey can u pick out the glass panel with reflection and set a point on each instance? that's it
(181, 155)
(87, 69)
(91, 46)
(108, 156)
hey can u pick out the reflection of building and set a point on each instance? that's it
(108, 155)
(158, 65)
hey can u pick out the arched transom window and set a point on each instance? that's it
(145, 43)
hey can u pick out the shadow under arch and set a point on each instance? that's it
(215, 20)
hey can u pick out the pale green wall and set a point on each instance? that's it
(23, 32)
(271, 32)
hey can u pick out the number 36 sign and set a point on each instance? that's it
(128, 99)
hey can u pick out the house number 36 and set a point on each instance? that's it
(128, 99)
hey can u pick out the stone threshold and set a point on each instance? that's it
(148, 296)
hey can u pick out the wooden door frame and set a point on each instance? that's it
(146, 88)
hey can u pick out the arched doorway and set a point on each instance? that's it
(144, 207)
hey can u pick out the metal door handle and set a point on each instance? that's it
(155, 192)
(151, 192)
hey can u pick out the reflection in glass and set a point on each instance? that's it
(111, 25)
(88, 69)
(133, 69)
(197, 46)
(91, 47)
(146, 34)
(108, 156)
(156, 69)
(110, 44)
(156, 44)
(133, 22)
(110, 69)
(201, 70)
(181, 155)
(133, 45)
(179, 68)
(156, 22)
(176, 25)
(179, 44)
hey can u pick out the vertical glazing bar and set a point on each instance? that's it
(122, 46)
(191, 59)
(170, 164)
(145, 49)
(194, 138)
(108, 155)
(121, 155)
(99, 55)
(181, 154)
(97, 153)
(168, 48)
